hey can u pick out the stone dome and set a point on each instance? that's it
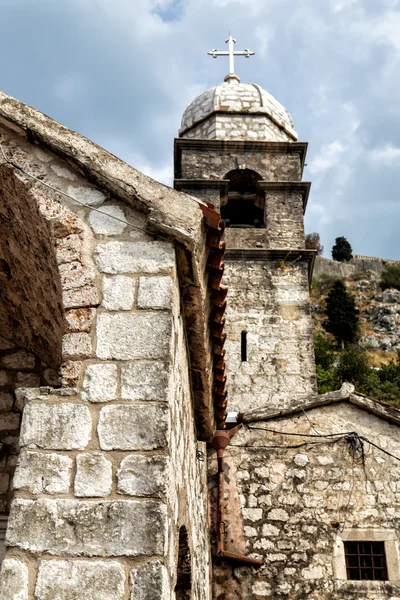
(241, 111)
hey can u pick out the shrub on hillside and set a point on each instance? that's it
(342, 251)
(342, 313)
(323, 283)
(313, 242)
(390, 277)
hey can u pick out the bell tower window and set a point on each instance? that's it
(244, 205)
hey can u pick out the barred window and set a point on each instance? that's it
(366, 560)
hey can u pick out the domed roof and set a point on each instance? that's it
(233, 97)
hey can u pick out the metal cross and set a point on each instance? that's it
(231, 53)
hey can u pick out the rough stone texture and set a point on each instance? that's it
(141, 475)
(155, 292)
(144, 381)
(77, 527)
(127, 336)
(272, 165)
(103, 222)
(79, 319)
(77, 346)
(304, 498)
(56, 426)
(244, 106)
(118, 292)
(86, 195)
(93, 476)
(30, 281)
(272, 305)
(150, 582)
(100, 383)
(135, 257)
(43, 473)
(136, 427)
(13, 580)
(67, 580)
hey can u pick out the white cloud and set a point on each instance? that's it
(386, 155)
(328, 157)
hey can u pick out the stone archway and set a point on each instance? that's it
(31, 313)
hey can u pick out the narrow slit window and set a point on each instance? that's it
(244, 346)
(366, 560)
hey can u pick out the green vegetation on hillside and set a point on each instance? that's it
(342, 313)
(390, 277)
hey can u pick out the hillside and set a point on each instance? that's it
(378, 346)
(379, 311)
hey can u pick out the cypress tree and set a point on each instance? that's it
(342, 251)
(342, 313)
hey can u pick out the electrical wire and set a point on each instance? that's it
(311, 435)
(19, 168)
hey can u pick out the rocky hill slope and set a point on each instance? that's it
(379, 310)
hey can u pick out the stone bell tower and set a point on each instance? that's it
(237, 149)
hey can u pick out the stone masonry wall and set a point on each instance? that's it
(238, 127)
(270, 301)
(271, 166)
(107, 471)
(293, 507)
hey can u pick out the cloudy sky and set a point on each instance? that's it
(121, 72)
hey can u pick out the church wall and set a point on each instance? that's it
(269, 301)
(107, 471)
(293, 507)
(271, 166)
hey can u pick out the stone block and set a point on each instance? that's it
(10, 422)
(74, 275)
(86, 195)
(18, 360)
(43, 473)
(155, 292)
(85, 296)
(69, 580)
(136, 427)
(118, 292)
(14, 580)
(56, 426)
(76, 345)
(6, 402)
(142, 475)
(4, 483)
(88, 528)
(70, 373)
(80, 319)
(100, 383)
(150, 582)
(4, 378)
(135, 257)
(69, 248)
(93, 475)
(108, 221)
(127, 336)
(144, 381)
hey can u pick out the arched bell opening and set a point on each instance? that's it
(183, 588)
(244, 204)
(31, 316)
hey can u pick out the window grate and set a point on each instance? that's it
(366, 561)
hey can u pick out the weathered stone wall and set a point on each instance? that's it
(325, 266)
(238, 127)
(108, 469)
(270, 301)
(271, 166)
(292, 507)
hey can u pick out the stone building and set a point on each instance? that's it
(129, 328)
